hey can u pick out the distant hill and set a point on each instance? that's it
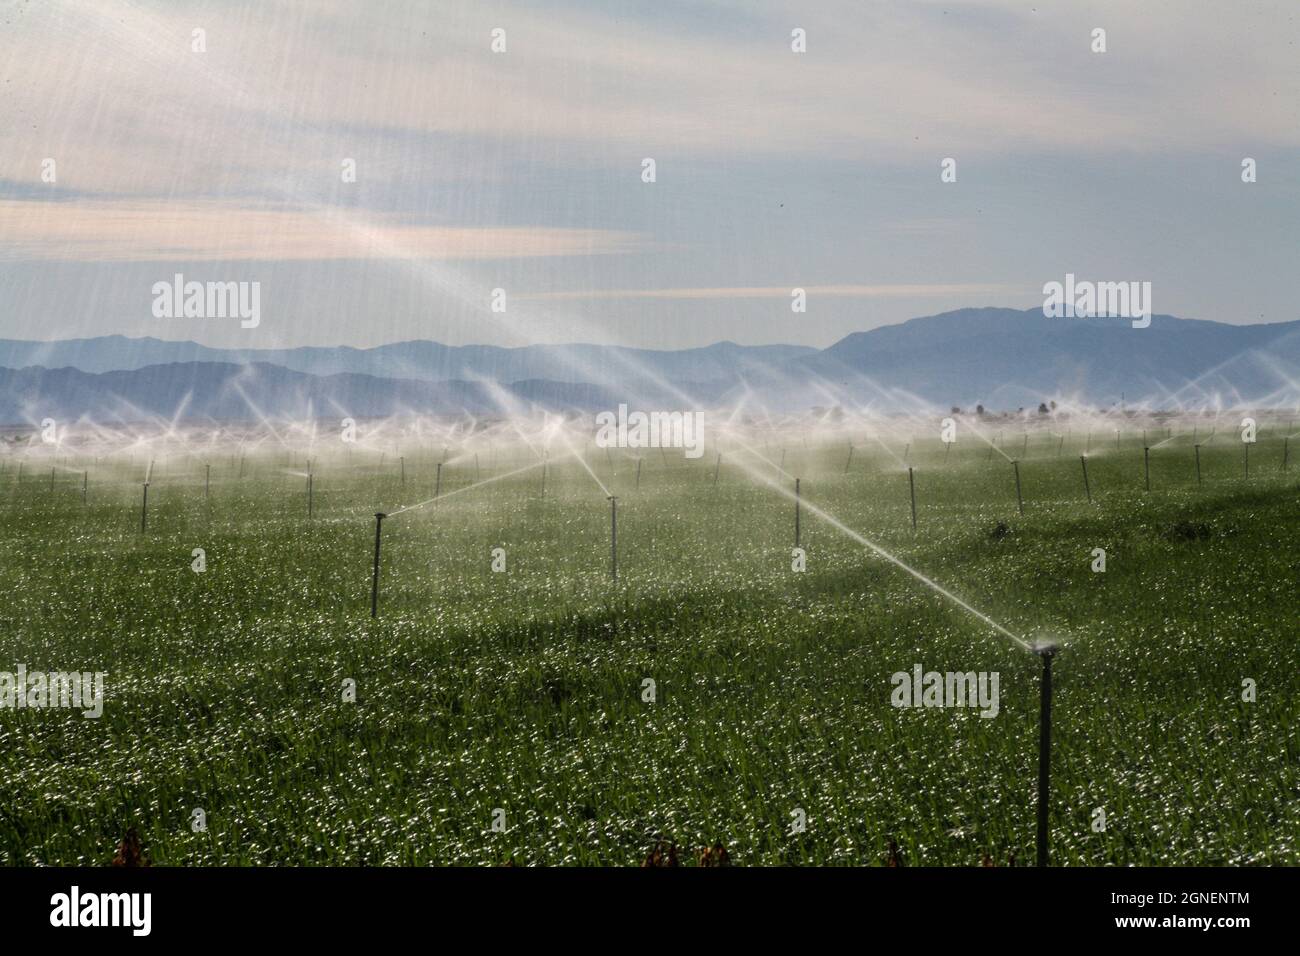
(221, 391)
(1002, 358)
(1007, 358)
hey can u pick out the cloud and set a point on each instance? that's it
(101, 231)
(783, 292)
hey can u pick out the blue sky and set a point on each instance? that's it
(521, 170)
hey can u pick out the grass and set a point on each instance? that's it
(523, 691)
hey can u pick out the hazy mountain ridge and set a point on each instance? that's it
(1002, 358)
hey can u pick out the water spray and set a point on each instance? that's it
(374, 582)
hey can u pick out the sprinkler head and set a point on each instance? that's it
(380, 515)
(1044, 648)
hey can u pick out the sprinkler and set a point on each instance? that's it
(51, 481)
(144, 508)
(477, 473)
(1083, 459)
(1146, 464)
(1045, 651)
(309, 494)
(207, 481)
(1246, 458)
(911, 484)
(717, 466)
(638, 473)
(796, 512)
(1020, 501)
(1198, 465)
(613, 539)
(402, 465)
(437, 481)
(1060, 446)
(848, 463)
(85, 482)
(1285, 451)
(374, 583)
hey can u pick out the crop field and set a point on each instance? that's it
(550, 713)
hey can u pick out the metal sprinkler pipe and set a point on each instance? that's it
(1020, 501)
(1146, 465)
(613, 539)
(1198, 465)
(374, 582)
(144, 508)
(1046, 652)
(796, 512)
(911, 484)
(1083, 459)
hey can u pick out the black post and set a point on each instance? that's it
(1198, 464)
(437, 481)
(1146, 465)
(374, 583)
(144, 508)
(1020, 501)
(1084, 460)
(1044, 750)
(638, 473)
(51, 479)
(911, 484)
(309, 495)
(796, 512)
(613, 538)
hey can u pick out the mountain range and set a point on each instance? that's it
(1001, 358)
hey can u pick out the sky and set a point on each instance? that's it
(222, 156)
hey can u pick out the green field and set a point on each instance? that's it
(523, 690)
